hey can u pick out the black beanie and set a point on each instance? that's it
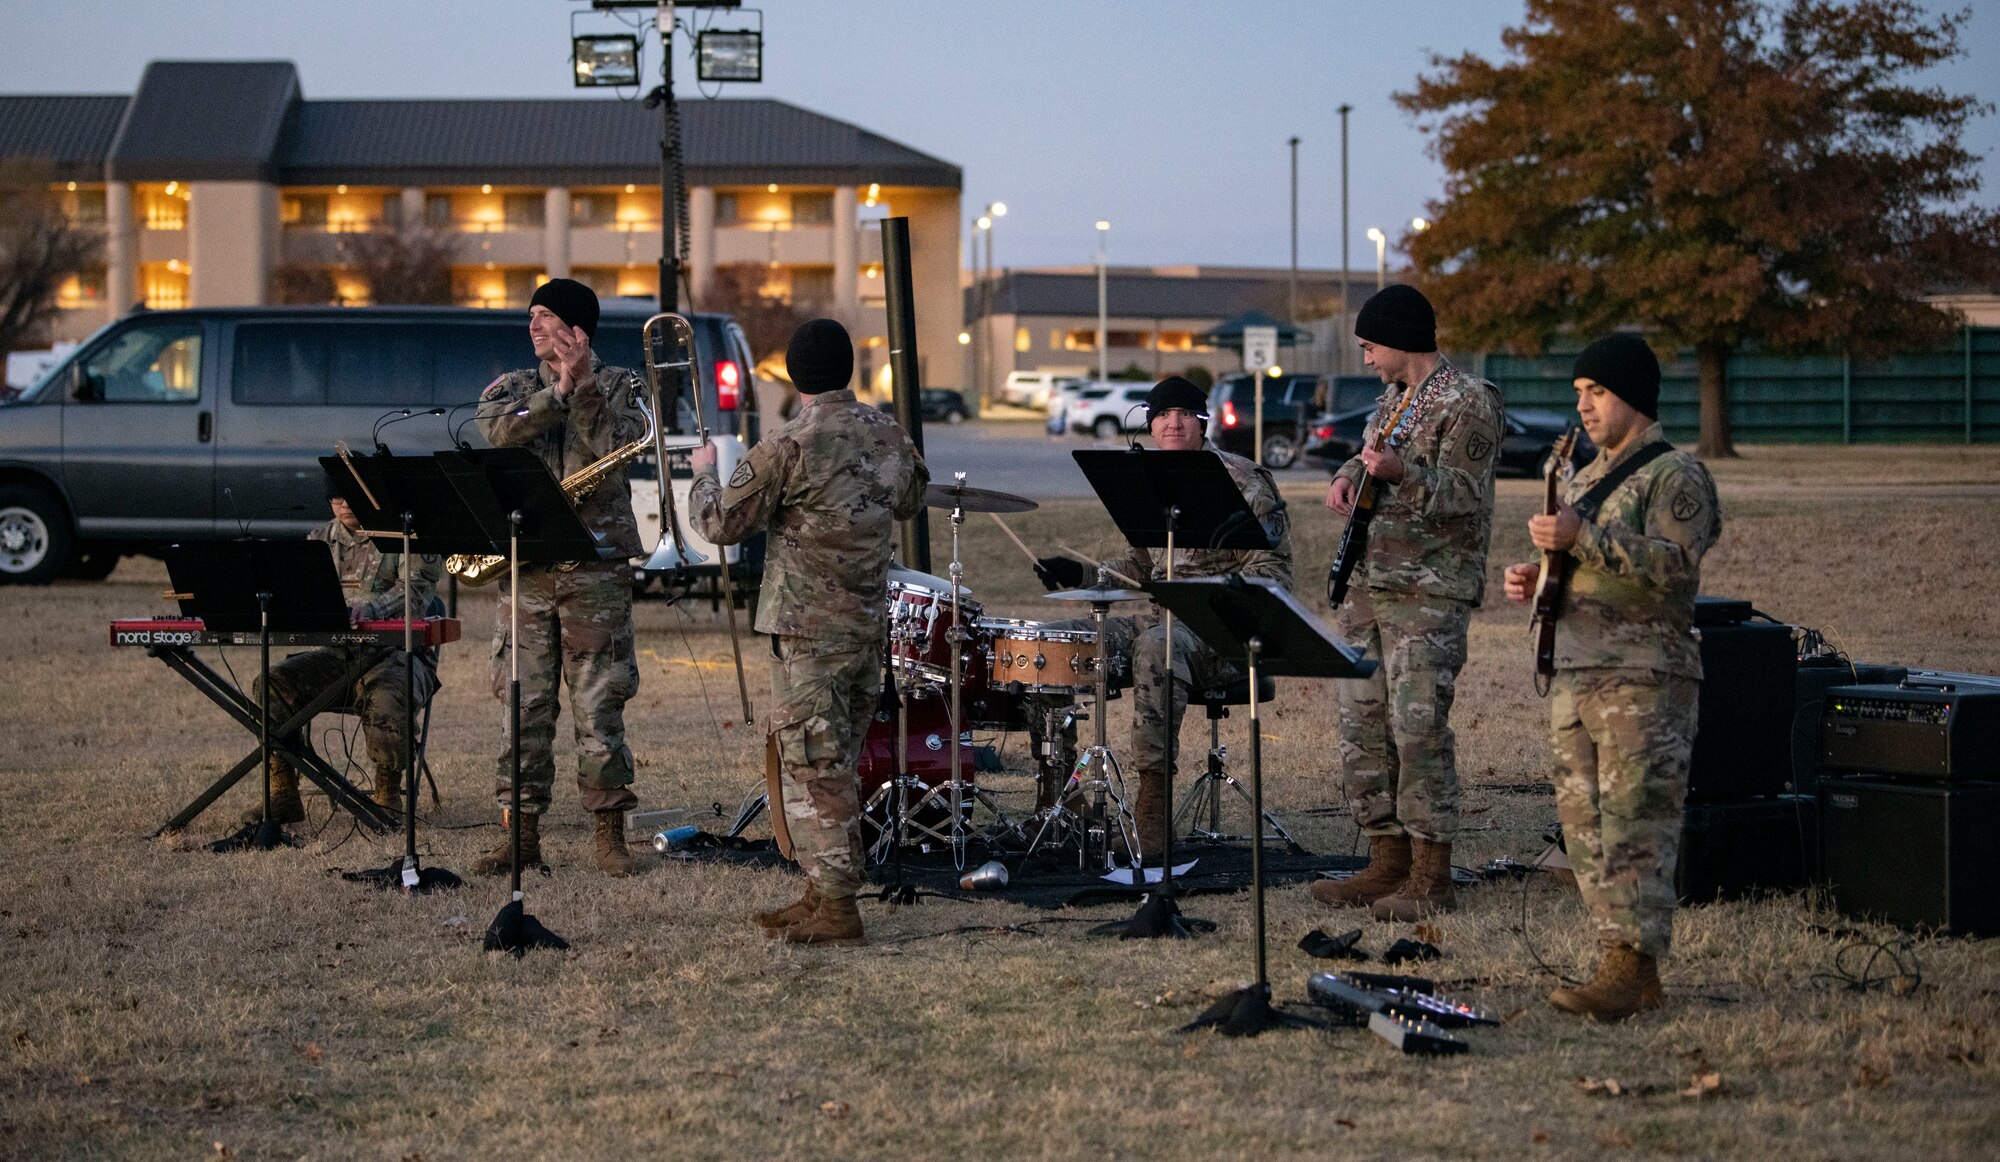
(1398, 316)
(571, 301)
(1626, 367)
(1175, 392)
(820, 357)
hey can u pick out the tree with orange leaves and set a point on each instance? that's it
(1717, 172)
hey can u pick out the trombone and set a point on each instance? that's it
(674, 553)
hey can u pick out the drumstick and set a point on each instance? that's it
(1025, 550)
(1090, 560)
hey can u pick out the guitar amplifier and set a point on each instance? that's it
(1816, 676)
(1926, 727)
(1917, 855)
(1731, 850)
(1743, 738)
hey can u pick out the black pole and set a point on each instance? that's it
(670, 258)
(1256, 649)
(1340, 341)
(264, 705)
(514, 702)
(906, 389)
(1293, 301)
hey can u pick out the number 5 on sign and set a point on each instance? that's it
(1260, 348)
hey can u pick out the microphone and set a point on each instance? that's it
(453, 430)
(1132, 434)
(397, 417)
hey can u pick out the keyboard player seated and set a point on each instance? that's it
(373, 581)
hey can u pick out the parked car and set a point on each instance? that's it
(937, 405)
(1032, 389)
(206, 424)
(1108, 410)
(1524, 446)
(1289, 403)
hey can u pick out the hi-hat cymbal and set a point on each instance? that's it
(975, 499)
(1108, 596)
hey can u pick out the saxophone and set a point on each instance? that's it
(483, 569)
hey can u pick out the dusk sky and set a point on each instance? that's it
(1167, 118)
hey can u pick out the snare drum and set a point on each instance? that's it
(919, 615)
(1040, 659)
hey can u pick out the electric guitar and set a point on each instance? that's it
(1555, 566)
(1354, 539)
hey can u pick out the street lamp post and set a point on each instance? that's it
(1381, 242)
(988, 361)
(1292, 302)
(1103, 229)
(1341, 340)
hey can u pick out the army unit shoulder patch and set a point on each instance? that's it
(1686, 505)
(744, 474)
(1479, 446)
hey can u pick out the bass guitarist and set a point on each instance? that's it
(1413, 590)
(1632, 530)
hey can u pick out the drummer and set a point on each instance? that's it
(1176, 414)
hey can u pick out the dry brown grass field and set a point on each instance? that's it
(157, 1001)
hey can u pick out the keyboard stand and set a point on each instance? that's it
(285, 738)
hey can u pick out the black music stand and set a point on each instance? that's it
(232, 587)
(412, 494)
(1256, 618)
(512, 495)
(1169, 500)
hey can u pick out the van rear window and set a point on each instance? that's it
(382, 365)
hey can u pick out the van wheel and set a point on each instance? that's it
(34, 535)
(1280, 450)
(1107, 429)
(954, 416)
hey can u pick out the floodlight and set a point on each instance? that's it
(733, 55)
(605, 60)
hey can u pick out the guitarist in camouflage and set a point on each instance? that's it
(1421, 573)
(1633, 527)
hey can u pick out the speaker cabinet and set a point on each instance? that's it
(1730, 850)
(1743, 741)
(1917, 855)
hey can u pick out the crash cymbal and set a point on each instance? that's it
(975, 499)
(1107, 596)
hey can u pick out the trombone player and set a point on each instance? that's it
(572, 409)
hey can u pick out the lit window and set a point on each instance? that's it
(1022, 342)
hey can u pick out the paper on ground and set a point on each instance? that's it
(1153, 875)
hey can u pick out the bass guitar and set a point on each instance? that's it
(1354, 539)
(1555, 566)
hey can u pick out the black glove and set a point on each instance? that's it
(1059, 573)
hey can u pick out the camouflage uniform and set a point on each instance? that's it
(1622, 705)
(374, 584)
(1140, 643)
(1410, 605)
(830, 486)
(576, 625)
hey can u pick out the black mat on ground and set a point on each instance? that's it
(1048, 879)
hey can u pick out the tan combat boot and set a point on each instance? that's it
(388, 793)
(780, 918)
(1627, 982)
(1388, 868)
(500, 860)
(833, 922)
(286, 806)
(613, 857)
(1427, 892)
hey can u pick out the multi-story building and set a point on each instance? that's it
(218, 183)
(1156, 318)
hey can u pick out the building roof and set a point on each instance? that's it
(204, 121)
(248, 121)
(72, 134)
(1130, 295)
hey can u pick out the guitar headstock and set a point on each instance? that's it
(1562, 454)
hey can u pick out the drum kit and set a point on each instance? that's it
(953, 669)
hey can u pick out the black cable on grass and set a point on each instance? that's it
(1903, 975)
(1024, 928)
(1529, 945)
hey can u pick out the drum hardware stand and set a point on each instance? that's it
(267, 834)
(1212, 780)
(1106, 780)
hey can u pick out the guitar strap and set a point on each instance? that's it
(1586, 506)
